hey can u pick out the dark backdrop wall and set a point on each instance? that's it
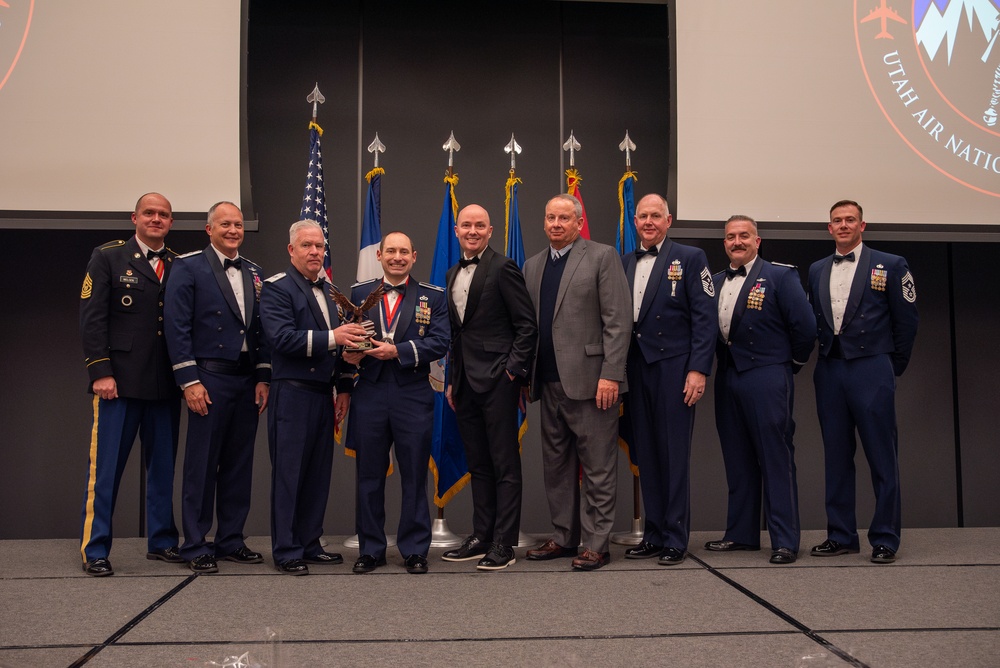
(414, 73)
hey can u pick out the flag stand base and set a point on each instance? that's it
(353, 541)
(633, 537)
(524, 540)
(441, 536)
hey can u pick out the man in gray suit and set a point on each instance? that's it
(583, 308)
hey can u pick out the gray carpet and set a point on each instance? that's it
(939, 604)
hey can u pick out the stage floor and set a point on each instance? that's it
(938, 605)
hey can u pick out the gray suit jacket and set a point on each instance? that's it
(592, 323)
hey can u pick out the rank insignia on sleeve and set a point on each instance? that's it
(88, 287)
(706, 282)
(909, 288)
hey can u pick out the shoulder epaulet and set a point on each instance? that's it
(243, 257)
(276, 277)
(360, 283)
(191, 254)
(431, 286)
(782, 264)
(718, 273)
(171, 250)
(112, 244)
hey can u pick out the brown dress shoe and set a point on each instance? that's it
(590, 560)
(551, 550)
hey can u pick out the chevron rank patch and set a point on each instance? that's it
(88, 287)
(706, 282)
(909, 288)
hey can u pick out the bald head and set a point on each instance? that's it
(473, 229)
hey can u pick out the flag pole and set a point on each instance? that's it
(511, 218)
(368, 269)
(573, 180)
(626, 235)
(441, 536)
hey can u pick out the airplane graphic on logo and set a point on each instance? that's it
(884, 13)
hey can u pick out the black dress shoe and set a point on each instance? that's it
(591, 560)
(729, 546)
(244, 555)
(671, 556)
(203, 563)
(498, 558)
(471, 548)
(551, 550)
(782, 556)
(831, 548)
(98, 568)
(292, 567)
(324, 557)
(170, 555)
(883, 555)
(366, 563)
(415, 564)
(643, 550)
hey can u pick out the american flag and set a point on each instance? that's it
(314, 197)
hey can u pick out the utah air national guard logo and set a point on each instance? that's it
(15, 19)
(934, 68)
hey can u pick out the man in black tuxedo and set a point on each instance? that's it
(493, 342)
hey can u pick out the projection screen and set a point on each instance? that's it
(103, 100)
(784, 107)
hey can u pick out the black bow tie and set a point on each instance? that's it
(837, 259)
(227, 263)
(318, 283)
(733, 273)
(162, 254)
(639, 252)
(465, 263)
(401, 288)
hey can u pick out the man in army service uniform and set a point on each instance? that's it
(121, 323)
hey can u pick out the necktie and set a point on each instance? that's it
(238, 263)
(401, 288)
(318, 283)
(465, 263)
(837, 259)
(159, 255)
(639, 252)
(733, 273)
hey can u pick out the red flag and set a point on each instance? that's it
(573, 188)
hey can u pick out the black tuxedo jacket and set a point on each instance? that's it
(498, 332)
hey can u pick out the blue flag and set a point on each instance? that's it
(451, 472)
(625, 237)
(625, 242)
(514, 248)
(371, 228)
(314, 197)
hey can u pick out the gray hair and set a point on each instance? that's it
(745, 219)
(577, 207)
(215, 206)
(301, 225)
